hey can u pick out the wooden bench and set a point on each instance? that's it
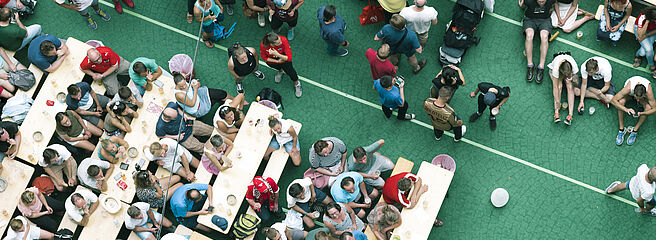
(402, 165)
(630, 22)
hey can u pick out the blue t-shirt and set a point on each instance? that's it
(85, 90)
(34, 51)
(342, 196)
(392, 36)
(180, 205)
(359, 235)
(391, 98)
(171, 128)
(332, 32)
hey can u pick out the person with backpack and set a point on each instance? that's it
(536, 22)
(419, 19)
(39, 208)
(401, 40)
(207, 12)
(275, 51)
(15, 36)
(331, 28)
(241, 62)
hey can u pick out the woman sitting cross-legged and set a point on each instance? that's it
(76, 131)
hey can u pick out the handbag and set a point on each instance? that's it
(318, 180)
(371, 14)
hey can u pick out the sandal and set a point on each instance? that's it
(209, 44)
(653, 71)
(568, 120)
(557, 118)
(637, 61)
(438, 223)
(190, 18)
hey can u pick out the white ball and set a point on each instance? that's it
(499, 197)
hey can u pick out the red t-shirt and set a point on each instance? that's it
(283, 49)
(391, 192)
(109, 59)
(378, 68)
(272, 189)
(641, 20)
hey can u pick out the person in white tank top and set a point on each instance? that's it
(639, 89)
(229, 117)
(286, 136)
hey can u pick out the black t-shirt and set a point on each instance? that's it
(534, 11)
(503, 92)
(565, 1)
(437, 82)
(12, 129)
(171, 128)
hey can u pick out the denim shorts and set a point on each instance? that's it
(288, 146)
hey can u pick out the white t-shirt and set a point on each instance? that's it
(284, 136)
(74, 212)
(61, 151)
(84, 165)
(82, 4)
(170, 163)
(419, 22)
(306, 183)
(135, 93)
(555, 64)
(34, 233)
(281, 227)
(604, 72)
(173, 236)
(131, 223)
(639, 186)
(634, 82)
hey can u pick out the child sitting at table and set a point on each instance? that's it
(20, 229)
(118, 122)
(112, 148)
(215, 158)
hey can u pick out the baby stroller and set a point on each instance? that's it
(459, 34)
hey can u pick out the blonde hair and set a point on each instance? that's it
(321, 235)
(27, 197)
(389, 215)
(105, 143)
(16, 224)
(155, 148)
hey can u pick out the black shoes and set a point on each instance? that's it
(540, 75)
(529, 73)
(474, 117)
(493, 123)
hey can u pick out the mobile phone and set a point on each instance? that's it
(158, 83)
(210, 209)
(124, 166)
(117, 176)
(140, 164)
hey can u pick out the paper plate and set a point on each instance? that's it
(499, 197)
(38, 136)
(133, 152)
(61, 97)
(232, 200)
(111, 204)
(3, 184)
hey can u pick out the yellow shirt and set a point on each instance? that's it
(393, 6)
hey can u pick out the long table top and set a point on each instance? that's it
(17, 176)
(41, 117)
(102, 224)
(251, 143)
(418, 221)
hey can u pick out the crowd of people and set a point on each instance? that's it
(341, 187)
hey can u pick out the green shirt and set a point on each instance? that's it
(74, 130)
(12, 37)
(150, 65)
(352, 166)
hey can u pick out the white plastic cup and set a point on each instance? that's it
(579, 34)
(591, 110)
(494, 111)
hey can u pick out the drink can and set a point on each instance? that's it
(579, 34)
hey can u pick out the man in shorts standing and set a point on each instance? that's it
(536, 21)
(642, 188)
(419, 18)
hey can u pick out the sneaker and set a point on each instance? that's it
(529, 73)
(493, 123)
(342, 52)
(568, 120)
(464, 130)
(290, 34)
(278, 77)
(260, 19)
(438, 138)
(270, 17)
(298, 90)
(258, 74)
(474, 117)
(539, 76)
(229, 10)
(612, 185)
(117, 7)
(240, 88)
(605, 103)
(422, 64)
(556, 118)
(105, 16)
(92, 24)
(407, 116)
(620, 137)
(129, 3)
(632, 137)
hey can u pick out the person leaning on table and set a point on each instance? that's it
(80, 205)
(187, 204)
(10, 140)
(103, 64)
(84, 101)
(93, 173)
(397, 192)
(139, 215)
(143, 71)
(169, 122)
(56, 162)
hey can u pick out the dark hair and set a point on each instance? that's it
(295, 189)
(224, 110)
(48, 155)
(269, 38)
(58, 118)
(397, 21)
(5, 14)
(273, 121)
(93, 170)
(592, 64)
(142, 180)
(320, 145)
(189, 192)
(270, 232)
(329, 13)
(73, 89)
(346, 181)
(133, 211)
(178, 77)
(124, 92)
(404, 184)
(345, 235)
(639, 90)
(118, 107)
(386, 81)
(74, 196)
(359, 152)
(139, 68)
(46, 46)
(332, 205)
(564, 70)
(449, 75)
(650, 13)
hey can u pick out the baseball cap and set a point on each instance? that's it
(260, 185)
(489, 98)
(220, 222)
(280, 2)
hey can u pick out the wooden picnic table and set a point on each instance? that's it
(102, 224)
(418, 221)
(143, 133)
(41, 117)
(17, 176)
(248, 150)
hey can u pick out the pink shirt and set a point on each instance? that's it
(378, 68)
(35, 207)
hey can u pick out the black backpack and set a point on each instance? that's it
(64, 234)
(271, 95)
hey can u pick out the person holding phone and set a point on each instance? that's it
(85, 102)
(392, 97)
(143, 71)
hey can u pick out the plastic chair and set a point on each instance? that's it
(182, 63)
(95, 43)
(445, 161)
(269, 104)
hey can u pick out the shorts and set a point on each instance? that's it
(191, 222)
(360, 199)
(296, 234)
(611, 90)
(537, 25)
(5, 66)
(85, 122)
(276, 22)
(144, 235)
(288, 146)
(85, 11)
(306, 205)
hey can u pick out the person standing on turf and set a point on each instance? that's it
(401, 40)
(331, 28)
(275, 51)
(419, 19)
(443, 117)
(82, 7)
(378, 62)
(641, 186)
(119, 9)
(284, 11)
(537, 20)
(392, 97)
(241, 62)
(490, 95)
(640, 89)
